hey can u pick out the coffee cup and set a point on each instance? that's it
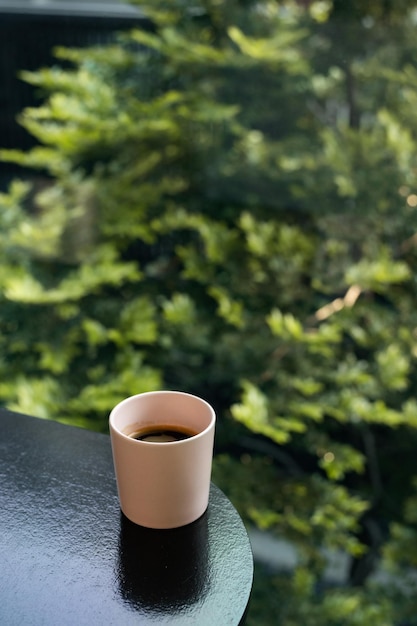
(162, 444)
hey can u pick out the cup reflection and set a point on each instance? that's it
(163, 571)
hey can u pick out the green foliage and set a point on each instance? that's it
(305, 508)
(294, 599)
(226, 204)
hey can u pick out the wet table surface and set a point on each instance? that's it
(68, 555)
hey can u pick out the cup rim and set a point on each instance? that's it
(129, 399)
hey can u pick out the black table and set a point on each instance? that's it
(69, 557)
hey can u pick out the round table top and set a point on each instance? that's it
(69, 556)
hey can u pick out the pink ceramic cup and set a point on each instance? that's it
(163, 485)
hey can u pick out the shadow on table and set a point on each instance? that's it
(163, 571)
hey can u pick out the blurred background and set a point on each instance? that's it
(221, 198)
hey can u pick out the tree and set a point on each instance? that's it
(228, 207)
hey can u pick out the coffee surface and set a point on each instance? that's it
(162, 433)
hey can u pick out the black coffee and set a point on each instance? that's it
(162, 433)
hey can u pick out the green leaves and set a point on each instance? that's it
(285, 325)
(394, 367)
(136, 325)
(306, 509)
(230, 208)
(180, 310)
(278, 50)
(101, 270)
(253, 412)
(378, 275)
